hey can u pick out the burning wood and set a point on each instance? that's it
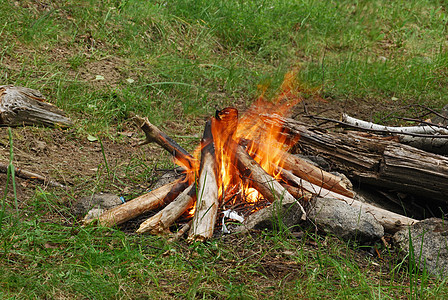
(207, 202)
(238, 158)
(271, 189)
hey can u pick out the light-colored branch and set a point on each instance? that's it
(207, 202)
(160, 222)
(138, 206)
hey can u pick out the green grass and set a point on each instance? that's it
(178, 61)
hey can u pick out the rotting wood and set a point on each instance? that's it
(264, 183)
(24, 106)
(30, 175)
(207, 201)
(376, 161)
(159, 223)
(141, 204)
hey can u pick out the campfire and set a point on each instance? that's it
(241, 166)
(242, 169)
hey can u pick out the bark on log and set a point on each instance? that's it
(429, 138)
(262, 181)
(207, 202)
(161, 222)
(376, 161)
(154, 134)
(391, 221)
(24, 106)
(141, 204)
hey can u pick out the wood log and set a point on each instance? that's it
(429, 138)
(392, 222)
(207, 202)
(141, 204)
(154, 134)
(376, 161)
(161, 222)
(264, 183)
(24, 106)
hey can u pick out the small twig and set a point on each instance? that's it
(30, 175)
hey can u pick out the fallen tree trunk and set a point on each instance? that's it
(207, 202)
(140, 205)
(24, 106)
(376, 161)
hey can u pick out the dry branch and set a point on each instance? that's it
(30, 175)
(429, 138)
(154, 134)
(160, 222)
(141, 204)
(24, 106)
(207, 202)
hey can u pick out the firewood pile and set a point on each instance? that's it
(244, 166)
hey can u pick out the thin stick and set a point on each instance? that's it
(154, 134)
(30, 175)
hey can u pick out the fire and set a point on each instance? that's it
(265, 144)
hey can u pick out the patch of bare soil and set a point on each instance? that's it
(84, 167)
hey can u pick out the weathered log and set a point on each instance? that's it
(160, 222)
(141, 204)
(429, 138)
(207, 202)
(376, 161)
(391, 221)
(154, 134)
(24, 106)
(264, 183)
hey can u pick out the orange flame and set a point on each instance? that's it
(266, 144)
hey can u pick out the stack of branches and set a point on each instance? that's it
(296, 181)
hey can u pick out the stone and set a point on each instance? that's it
(429, 240)
(102, 201)
(340, 219)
